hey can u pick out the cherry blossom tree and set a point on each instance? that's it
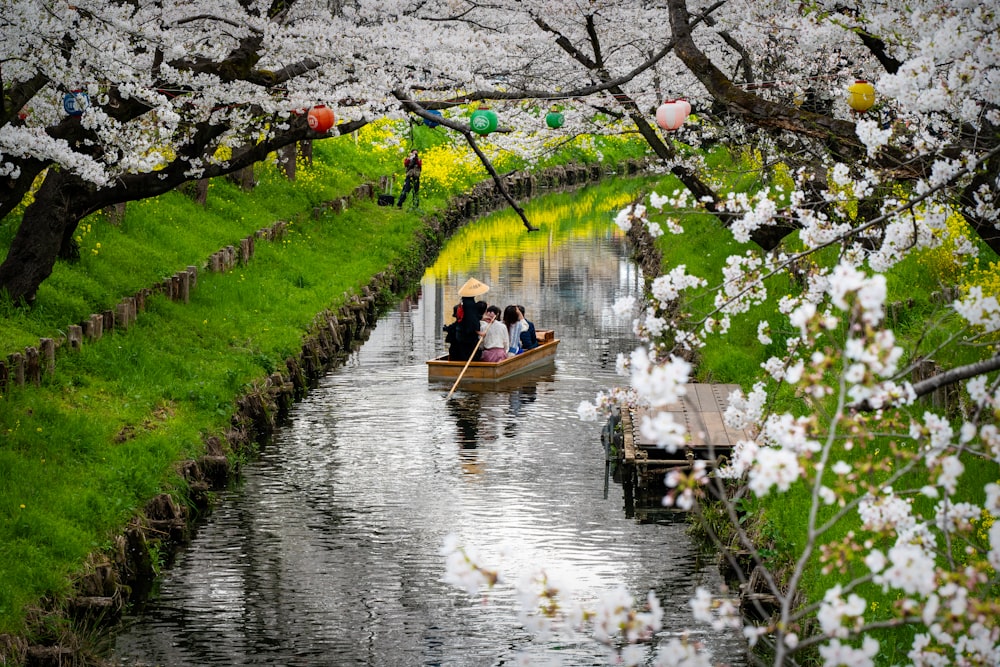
(107, 102)
(185, 90)
(873, 189)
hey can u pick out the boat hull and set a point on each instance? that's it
(486, 371)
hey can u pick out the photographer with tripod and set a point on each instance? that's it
(413, 165)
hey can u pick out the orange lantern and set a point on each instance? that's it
(321, 118)
(860, 95)
(671, 114)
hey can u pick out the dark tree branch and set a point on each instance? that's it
(415, 108)
(753, 108)
(932, 384)
(595, 42)
(877, 48)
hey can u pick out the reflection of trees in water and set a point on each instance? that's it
(585, 213)
(466, 409)
(518, 399)
(486, 414)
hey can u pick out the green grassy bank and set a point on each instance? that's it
(919, 292)
(81, 454)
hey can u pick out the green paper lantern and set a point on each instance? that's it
(554, 119)
(483, 121)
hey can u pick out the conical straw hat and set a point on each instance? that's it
(473, 287)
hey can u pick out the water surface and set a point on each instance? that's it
(328, 553)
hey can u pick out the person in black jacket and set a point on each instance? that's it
(468, 315)
(450, 332)
(529, 338)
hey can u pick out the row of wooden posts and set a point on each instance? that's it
(34, 362)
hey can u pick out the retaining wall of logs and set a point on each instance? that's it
(112, 579)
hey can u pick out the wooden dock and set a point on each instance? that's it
(642, 464)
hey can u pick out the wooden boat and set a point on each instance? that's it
(440, 368)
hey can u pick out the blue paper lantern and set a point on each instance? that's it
(75, 102)
(430, 123)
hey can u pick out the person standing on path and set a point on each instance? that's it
(413, 164)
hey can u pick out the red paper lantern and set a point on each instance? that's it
(672, 113)
(321, 118)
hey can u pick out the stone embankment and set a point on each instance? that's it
(113, 579)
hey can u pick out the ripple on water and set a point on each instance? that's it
(328, 553)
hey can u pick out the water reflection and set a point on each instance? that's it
(329, 552)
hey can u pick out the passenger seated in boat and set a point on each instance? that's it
(450, 338)
(514, 320)
(495, 341)
(529, 338)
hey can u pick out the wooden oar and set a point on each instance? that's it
(471, 357)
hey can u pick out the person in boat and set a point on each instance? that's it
(495, 341)
(449, 332)
(515, 322)
(467, 319)
(529, 337)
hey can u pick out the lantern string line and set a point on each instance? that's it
(638, 98)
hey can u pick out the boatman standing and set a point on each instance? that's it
(468, 318)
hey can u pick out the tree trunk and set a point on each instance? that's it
(245, 177)
(115, 213)
(46, 223)
(286, 160)
(201, 191)
(988, 230)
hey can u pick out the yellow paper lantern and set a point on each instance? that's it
(860, 95)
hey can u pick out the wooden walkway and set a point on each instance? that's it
(643, 463)
(701, 413)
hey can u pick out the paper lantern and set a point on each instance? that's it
(483, 120)
(321, 118)
(554, 119)
(860, 95)
(75, 102)
(430, 123)
(671, 114)
(687, 106)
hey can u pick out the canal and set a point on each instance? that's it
(328, 552)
